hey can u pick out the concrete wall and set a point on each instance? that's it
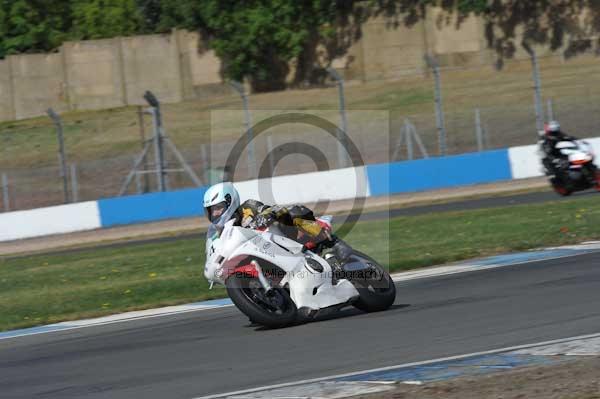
(152, 63)
(37, 82)
(7, 111)
(94, 74)
(389, 53)
(108, 73)
(100, 74)
(386, 51)
(466, 46)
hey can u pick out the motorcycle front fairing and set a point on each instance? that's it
(310, 287)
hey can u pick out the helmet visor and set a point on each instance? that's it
(216, 211)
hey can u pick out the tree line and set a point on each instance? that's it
(257, 39)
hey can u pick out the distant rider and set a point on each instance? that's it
(553, 160)
(222, 203)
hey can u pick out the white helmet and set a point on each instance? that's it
(552, 129)
(220, 202)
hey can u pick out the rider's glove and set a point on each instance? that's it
(264, 219)
(560, 163)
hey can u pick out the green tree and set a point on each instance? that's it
(158, 16)
(258, 38)
(28, 25)
(95, 19)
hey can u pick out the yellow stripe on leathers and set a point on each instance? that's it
(308, 226)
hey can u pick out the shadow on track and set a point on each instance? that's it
(340, 314)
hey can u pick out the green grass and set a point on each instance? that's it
(43, 289)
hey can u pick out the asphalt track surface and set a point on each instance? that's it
(215, 351)
(462, 205)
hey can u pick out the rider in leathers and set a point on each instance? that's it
(553, 160)
(221, 203)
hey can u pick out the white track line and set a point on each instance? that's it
(102, 321)
(405, 365)
(440, 271)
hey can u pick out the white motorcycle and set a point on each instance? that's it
(276, 282)
(576, 170)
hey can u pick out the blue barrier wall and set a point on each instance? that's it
(432, 173)
(384, 179)
(151, 207)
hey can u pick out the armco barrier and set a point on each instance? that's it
(525, 162)
(433, 173)
(51, 220)
(151, 207)
(371, 180)
(330, 185)
(300, 188)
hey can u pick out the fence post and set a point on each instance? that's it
(250, 135)
(537, 87)
(140, 113)
(205, 164)
(158, 152)
(409, 144)
(138, 182)
(342, 105)
(417, 138)
(158, 140)
(550, 110)
(399, 143)
(74, 183)
(5, 196)
(439, 104)
(61, 153)
(270, 154)
(478, 130)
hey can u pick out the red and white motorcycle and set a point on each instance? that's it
(576, 169)
(276, 281)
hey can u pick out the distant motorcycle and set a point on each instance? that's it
(576, 170)
(276, 281)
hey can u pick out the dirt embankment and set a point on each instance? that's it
(575, 379)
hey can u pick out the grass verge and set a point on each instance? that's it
(43, 289)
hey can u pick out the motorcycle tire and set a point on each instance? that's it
(560, 189)
(376, 294)
(274, 309)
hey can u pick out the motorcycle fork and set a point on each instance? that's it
(261, 276)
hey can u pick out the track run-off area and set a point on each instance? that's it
(213, 351)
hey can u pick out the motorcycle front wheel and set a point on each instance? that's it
(273, 309)
(375, 285)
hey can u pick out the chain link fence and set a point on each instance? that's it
(30, 175)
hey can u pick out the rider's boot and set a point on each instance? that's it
(336, 252)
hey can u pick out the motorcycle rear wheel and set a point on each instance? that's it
(559, 188)
(274, 309)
